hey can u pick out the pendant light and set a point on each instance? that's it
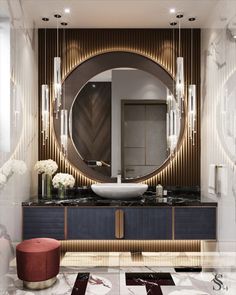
(64, 111)
(171, 115)
(192, 109)
(45, 94)
(57, 74)
(180, 72)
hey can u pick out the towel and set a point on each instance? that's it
(221, 180)
(212, 179)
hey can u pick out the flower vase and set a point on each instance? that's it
(61, 193)
(46, 186)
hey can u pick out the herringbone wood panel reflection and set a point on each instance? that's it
(91, 121)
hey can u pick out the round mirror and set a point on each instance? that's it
(123, 118)
(119, 123)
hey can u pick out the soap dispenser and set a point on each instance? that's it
(159, 191)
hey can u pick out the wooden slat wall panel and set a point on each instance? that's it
(158, 45)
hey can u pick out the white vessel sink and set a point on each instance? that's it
(119, 190)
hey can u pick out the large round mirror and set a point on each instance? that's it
(123, 117)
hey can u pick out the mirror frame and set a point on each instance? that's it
(82, 73)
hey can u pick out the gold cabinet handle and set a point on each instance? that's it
(122, 224)
(119, 224)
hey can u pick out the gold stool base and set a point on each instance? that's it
(40, 285)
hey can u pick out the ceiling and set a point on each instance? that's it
(118, 13)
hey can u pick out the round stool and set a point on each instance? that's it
(38, 262)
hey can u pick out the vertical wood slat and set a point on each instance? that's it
(158, 45)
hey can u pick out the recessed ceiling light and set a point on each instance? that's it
(234, 36)
(180, 15)
(67, 10)
(172, 10)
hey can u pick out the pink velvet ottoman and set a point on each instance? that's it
(38, 262)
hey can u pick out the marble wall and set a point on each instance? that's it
(23, 116)
(218, 116)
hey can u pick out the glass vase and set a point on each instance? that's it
(46, 186)
(61, 193)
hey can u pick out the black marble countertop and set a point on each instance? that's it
(148, 199)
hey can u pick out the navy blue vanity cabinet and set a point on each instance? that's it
(195, 223)
(147, 223)
(90, 223)
(46, 222)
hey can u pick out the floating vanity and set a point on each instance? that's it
(94, 219)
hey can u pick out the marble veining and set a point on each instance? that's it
(146, 200)
(105, 282)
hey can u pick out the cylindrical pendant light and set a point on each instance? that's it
(192, 111)
(192, 108)
(64, 112)
(45, 111)
(171, 115)
(64, 131)
(57, 75)
(180, 72)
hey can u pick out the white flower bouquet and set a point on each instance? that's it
(3, 180)
(13, 166)
(18, 167)
(48, 167)
(63, 180)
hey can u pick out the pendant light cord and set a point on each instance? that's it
(45, 48)
(173, 37)
(64, 55)
(179, 37)
(191, 56)
(57, 37)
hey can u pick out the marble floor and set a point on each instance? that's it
(107, 274)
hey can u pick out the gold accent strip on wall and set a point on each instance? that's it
(131, 246)
(155, 44)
